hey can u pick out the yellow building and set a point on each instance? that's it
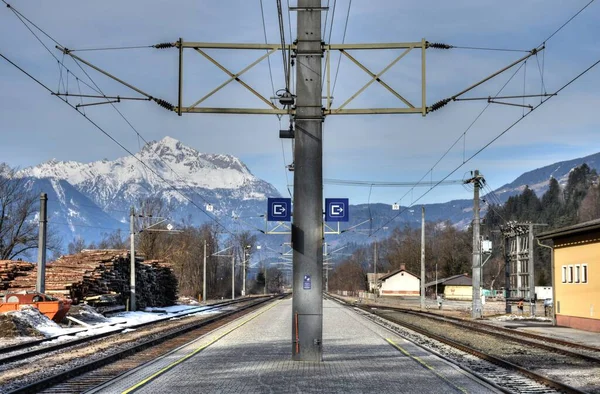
(576, 275)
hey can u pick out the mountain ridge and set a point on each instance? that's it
(100, 193)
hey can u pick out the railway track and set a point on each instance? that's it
(23, 351)
(79, 376)
(508, 372)
(588, 353)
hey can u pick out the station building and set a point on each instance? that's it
(576, 275)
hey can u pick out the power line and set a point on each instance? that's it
(286, 70)
(488, 104)
(329, 38)
(111, 48)
(117, 142)
(343, 182)
(568, 21)
(85, 225)
(496, 138)
(99, 90)
(326, 17)
(262, 12)
(343, 41)
(463, 134)
(61, 65)
(489, 49)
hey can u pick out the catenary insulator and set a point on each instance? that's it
(165, 104)
(164, 45)
(438, 105)
(438, 45)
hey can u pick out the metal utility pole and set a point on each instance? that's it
(375, 262)
(40, 286)
(132, 260)
(307, 227)
(507, 235)
(422, 257)
(244, 275)
(477, 180)
(532, 297)
(204, 275)
(232, 275)
(266, 286)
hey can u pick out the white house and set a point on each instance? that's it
(400, 283)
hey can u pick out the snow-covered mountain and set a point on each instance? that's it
(89, 199)
(166, 169)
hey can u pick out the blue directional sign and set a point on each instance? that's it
(279, 209)
(306, 285)
(337, 210)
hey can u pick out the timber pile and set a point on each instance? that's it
(10, 270)
(98, 272)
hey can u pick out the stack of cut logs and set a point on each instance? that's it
(92, 273)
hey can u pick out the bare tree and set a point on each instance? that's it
(152, 244)
(349, 275)
(114, 240)
(76, 245)
(18, 225)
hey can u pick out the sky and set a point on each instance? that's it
(36, 127)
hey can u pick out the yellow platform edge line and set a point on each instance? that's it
(423, 363)
(196, 351)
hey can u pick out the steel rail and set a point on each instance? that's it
(78, 370)
(506, 331)
(495, 360)
(63, 345)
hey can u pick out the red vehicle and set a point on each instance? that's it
(52, 307)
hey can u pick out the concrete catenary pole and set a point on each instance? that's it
(307, 227)
(476, 310)
(422, 257)
(244, 273)
(132, 260)
(204, 275)
(40, 286)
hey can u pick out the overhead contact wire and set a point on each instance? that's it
(496, 138)
(116, 142)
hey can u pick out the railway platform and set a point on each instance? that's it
(253, 355)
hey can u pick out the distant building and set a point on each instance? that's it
(400, 283)
(576, 275)
(457, 287)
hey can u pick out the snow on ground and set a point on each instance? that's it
(522, 318)
(117, 322)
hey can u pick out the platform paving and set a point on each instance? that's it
(253, 355)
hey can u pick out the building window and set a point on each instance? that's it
(570, 274)
(564, 274)
(584, 276)
(577, 268)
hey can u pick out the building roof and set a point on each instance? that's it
(580, 228)
(390, 274)
(460, 280)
